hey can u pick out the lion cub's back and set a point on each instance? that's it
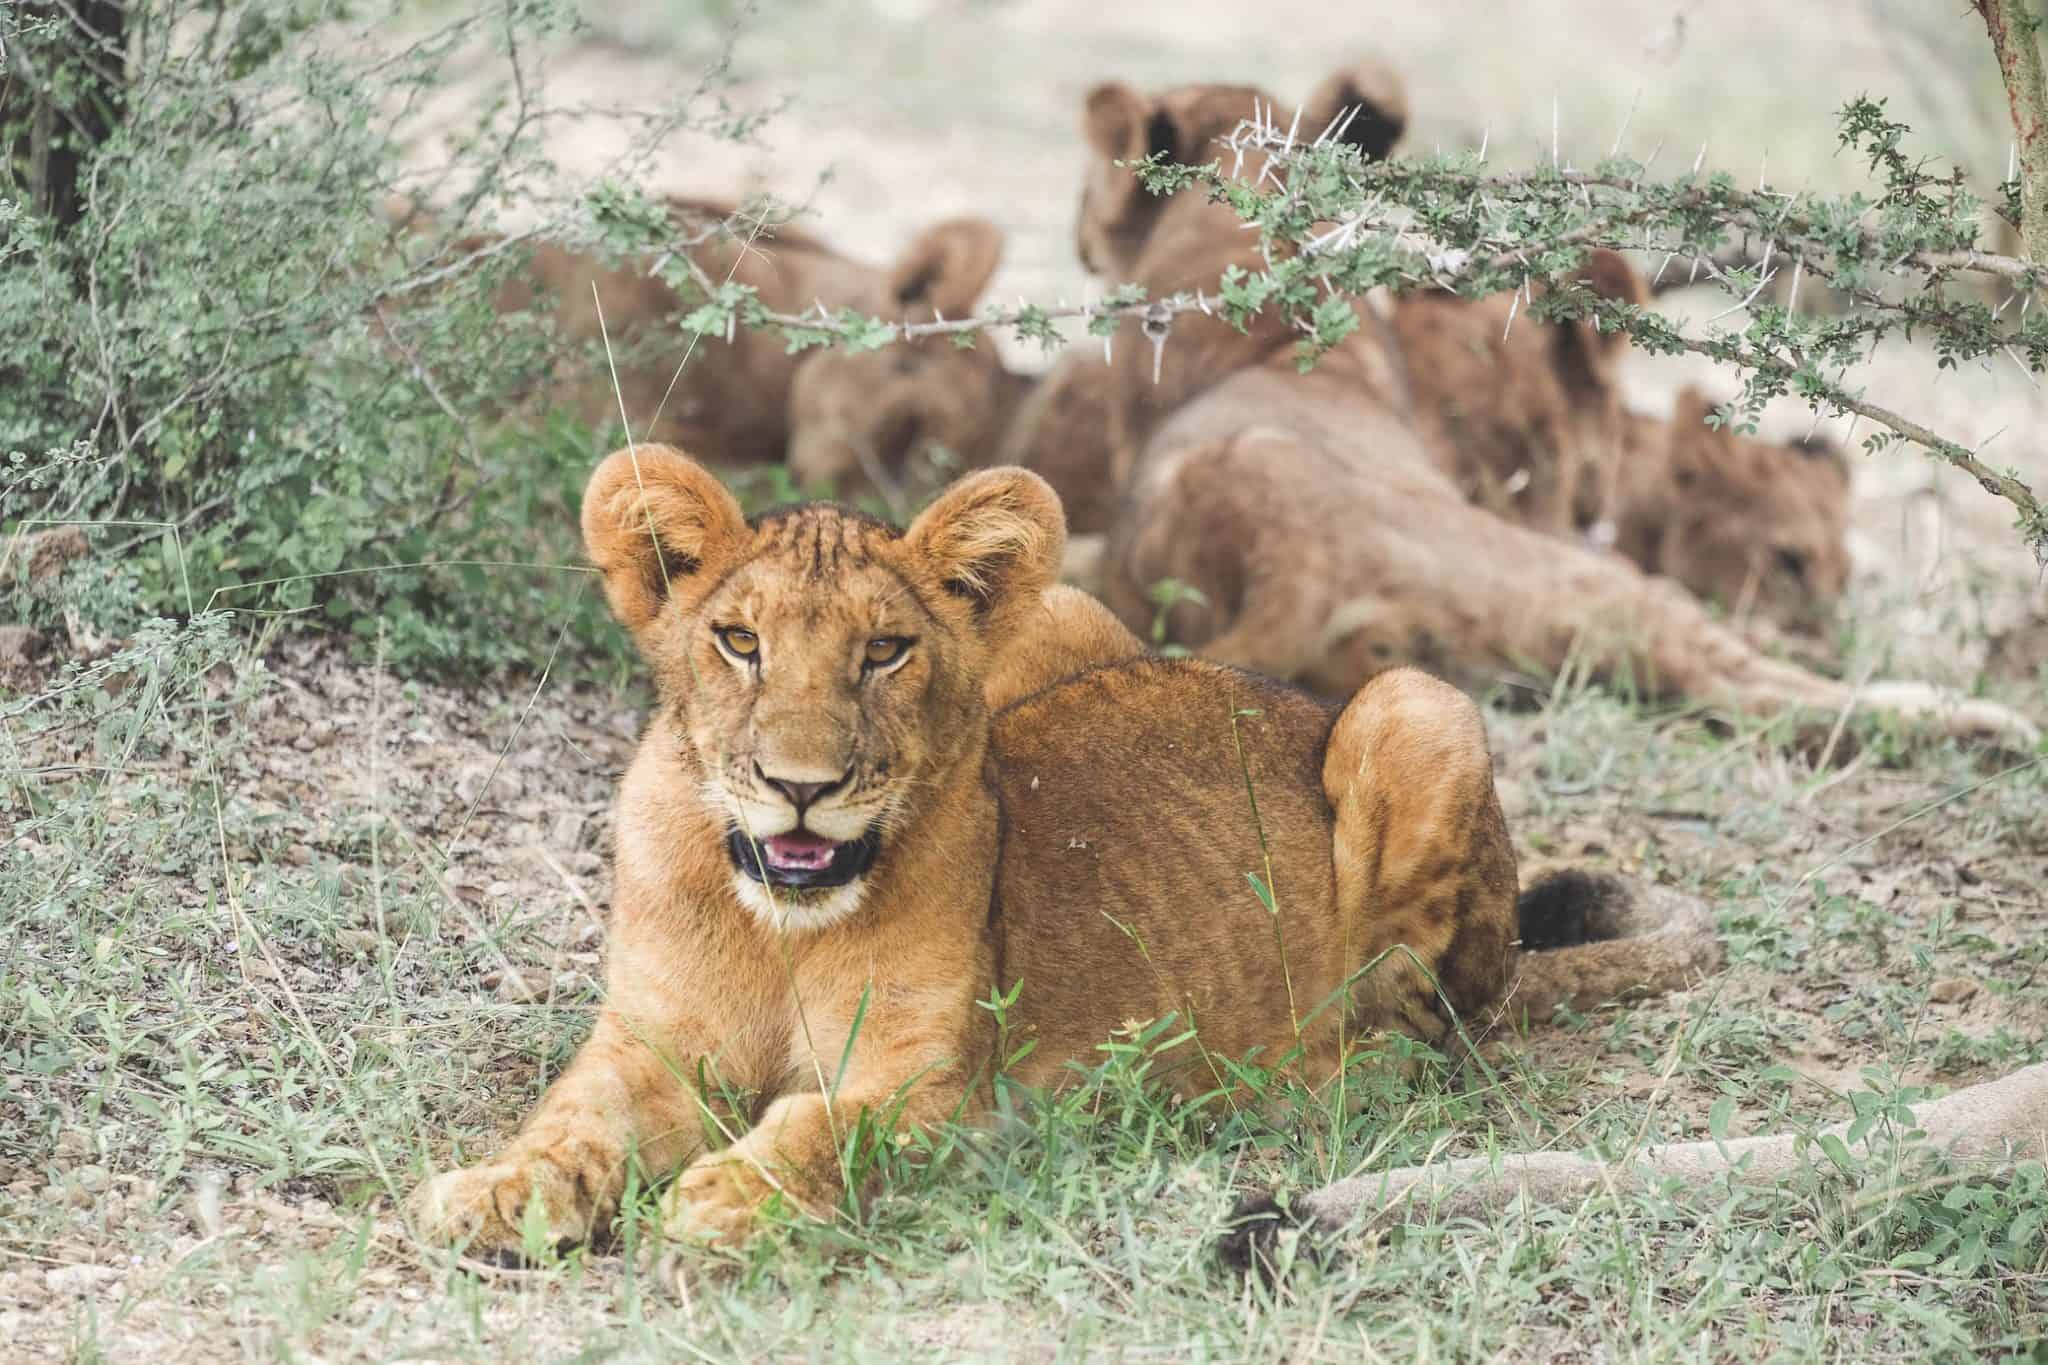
(1129, 847)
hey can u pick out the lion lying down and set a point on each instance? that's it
(892, 772)
(730, 402)
(1324, 538)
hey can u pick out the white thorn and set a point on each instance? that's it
(1350, 116)
(1485, 136)
(1553, 133)
(1696, 161)
(1622, 132)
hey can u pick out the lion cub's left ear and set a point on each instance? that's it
(993, 540)
(947, 266)
(656, 522)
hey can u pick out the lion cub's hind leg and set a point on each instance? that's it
(1425, 874)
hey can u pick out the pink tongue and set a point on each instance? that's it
(800, 852)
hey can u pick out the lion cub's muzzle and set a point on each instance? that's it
(801, 860)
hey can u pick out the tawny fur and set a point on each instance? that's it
(1756, 527)
(1062, 816)
(1329, 543)
(895, 423)
(1524, 414)
(729, 403)
(1060, 433)
(876, 421)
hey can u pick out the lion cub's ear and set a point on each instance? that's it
(653, 520)
(947, 267)
(1588, 358)
(1123, 125)
(1368, 100)
(994, 541)
(1695, 447)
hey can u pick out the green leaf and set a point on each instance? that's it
(1837, 1153)
(1718, 1116)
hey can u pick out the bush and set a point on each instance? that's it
(285, 390)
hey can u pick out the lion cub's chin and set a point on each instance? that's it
(788, 909)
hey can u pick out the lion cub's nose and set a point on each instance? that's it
(800, 794)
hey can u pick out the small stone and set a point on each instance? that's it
(566, 830)
(304, 744)
(20, 644)
(92, 1179)
(73, 1145)
(78, 1279)
(1950, 990)
(520, 985)
(361, 941)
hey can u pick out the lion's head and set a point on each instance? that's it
(1364, 105)
(825, 668)
(1754, 525)
(899, 421)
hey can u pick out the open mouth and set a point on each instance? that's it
(801, 860)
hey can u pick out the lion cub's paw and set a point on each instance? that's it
(485, 1207)
(718, 1199)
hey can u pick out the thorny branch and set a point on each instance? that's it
(1398, 214)
(1334, 227)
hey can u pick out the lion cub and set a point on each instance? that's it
(894, 772)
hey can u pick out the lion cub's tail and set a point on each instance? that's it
(1588, 938)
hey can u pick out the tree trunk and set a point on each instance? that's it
(63, 90)
(2015, 37)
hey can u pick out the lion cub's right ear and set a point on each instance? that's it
(654, 521)
(1371, 101)
(1123, 125)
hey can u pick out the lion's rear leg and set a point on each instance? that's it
(1425, 874)
(1497, 595)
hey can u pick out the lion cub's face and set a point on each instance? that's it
(812, 711)
(826, 669)
(1755, 525)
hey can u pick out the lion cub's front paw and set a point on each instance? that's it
(485, 1206)
(717, 1200)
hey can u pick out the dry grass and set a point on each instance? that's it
(280, 926)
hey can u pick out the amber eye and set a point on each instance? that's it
(738, 641)
(884, 650)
